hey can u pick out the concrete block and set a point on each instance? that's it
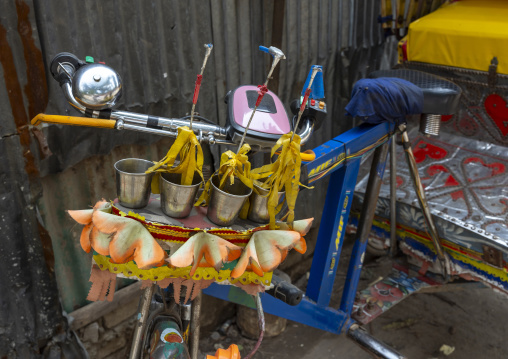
(111, 346)
(247, 321)
(91, 333)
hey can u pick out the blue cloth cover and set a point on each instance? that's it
(385, 99)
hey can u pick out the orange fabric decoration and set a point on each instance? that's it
(204, 250)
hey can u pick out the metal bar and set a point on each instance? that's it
(333, 152)
(372, 345)
(279, 7)
(195, 325)
(360, 137)
(331, 233)
(140, 326)
(306, 312)
(163, 122)
(364, 226)
(186, 315)
(120, 125)
(393, 198)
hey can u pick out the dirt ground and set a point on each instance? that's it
(472, 321)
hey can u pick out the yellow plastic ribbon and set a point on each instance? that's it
(283, 173)
(231, 165)
(187, 146)
(235, 165)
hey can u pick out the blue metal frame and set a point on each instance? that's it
(331, 233)
(314, 309)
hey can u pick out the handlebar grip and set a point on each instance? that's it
(285, 291)
(64, 58)
(72, 120)
(308, 155)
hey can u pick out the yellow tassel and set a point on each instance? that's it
(283, 174)
(244, 212)
(231, 165)
(191, 159)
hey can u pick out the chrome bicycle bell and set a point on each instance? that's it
(96, 86)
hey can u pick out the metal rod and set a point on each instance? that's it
(276, 60)
(393, 198)
(186, 315)
(207, 55)
(372, 345)
(164, 301)
(246, 129)
(432, 230)
(372, 192)
(314, 72)
(140, 326)
(261, 323)
(192, 116)
(195, 325)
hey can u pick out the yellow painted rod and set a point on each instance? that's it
(72, 120)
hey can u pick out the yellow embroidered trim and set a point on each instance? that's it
(156, 228)
(130, 214)
(156, 274)
(169, 232)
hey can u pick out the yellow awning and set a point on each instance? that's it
(467, 34)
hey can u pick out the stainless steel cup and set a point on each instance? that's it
(132, 183)
(258, 210)
(177, 200)
(225, 205)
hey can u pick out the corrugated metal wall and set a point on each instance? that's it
(157, 47)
